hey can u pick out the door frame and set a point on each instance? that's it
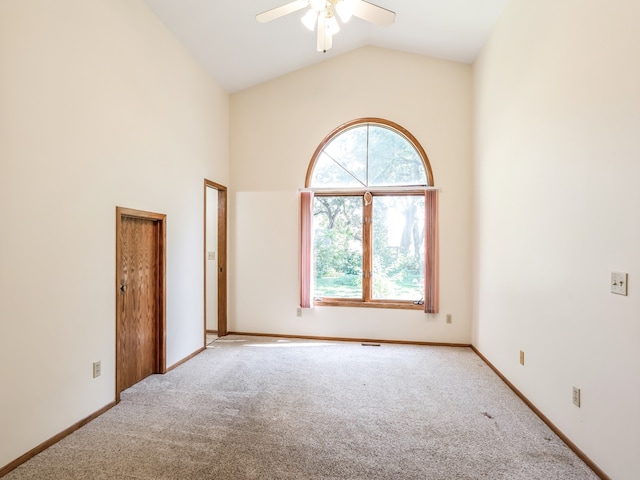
(222, 257)
(161, 341)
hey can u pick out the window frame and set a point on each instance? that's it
(367, 231)
(367, 253)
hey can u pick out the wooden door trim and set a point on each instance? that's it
(222, 257)
(161, 341)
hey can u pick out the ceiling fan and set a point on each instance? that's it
(322, 15)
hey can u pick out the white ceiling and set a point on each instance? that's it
(239, 52)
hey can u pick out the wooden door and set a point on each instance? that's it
(140, 297)
(221, 218)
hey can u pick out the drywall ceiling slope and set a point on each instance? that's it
(239, 52)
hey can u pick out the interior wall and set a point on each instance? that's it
(101, 107)
(276, 127)
(557, 115)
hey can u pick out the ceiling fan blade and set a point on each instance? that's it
(373, 13)
(281, 11)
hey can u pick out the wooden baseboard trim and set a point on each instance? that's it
(349, 339)
(597, 470)
(53, 440)
(185, 359)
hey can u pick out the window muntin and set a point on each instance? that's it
(326, 174)
(382, 170)
(349, 151)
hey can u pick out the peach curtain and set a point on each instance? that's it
(431, 254)
(306, 257)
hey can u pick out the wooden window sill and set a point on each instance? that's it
(363, 304)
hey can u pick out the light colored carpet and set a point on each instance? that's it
(266, 408)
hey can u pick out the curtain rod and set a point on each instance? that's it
(404, 188)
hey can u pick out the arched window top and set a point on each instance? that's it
(368, 153)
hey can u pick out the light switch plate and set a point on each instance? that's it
(576, 396)
(619, 283)
(211, 255)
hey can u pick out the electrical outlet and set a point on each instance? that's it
(619, 283)
(576, 397)
(448, 318)
(299, 312)
(521, 357)
(97, 369)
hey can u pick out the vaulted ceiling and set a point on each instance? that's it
(239, 52)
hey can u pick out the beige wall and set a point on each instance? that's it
(557, 162)
(99, 106)
(275, 128)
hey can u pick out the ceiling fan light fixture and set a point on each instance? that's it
(310, 19)
(318, 5)
(324, 13)
(345, 9)
(332, 26)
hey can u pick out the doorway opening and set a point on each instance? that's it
(140, 296)
(215, 260)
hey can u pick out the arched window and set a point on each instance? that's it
(369, 220)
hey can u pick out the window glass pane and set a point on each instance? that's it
(393, 160)
(349, 150)
(327, 173)
(398, 248)
(337, 244)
